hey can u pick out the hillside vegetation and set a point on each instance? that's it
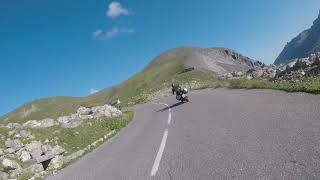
(159, 74)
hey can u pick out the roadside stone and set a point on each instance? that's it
(57, 150)
(36, 168)
(3, 175)
(25, 156)
(15, 173)
(9, 151)
(46, 148)
(56, 162)
(14, 144)
(73, 156)
(10, 164)
(34, 148)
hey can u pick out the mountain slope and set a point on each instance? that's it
(303, 45)
(159, 73)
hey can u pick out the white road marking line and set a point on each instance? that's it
(157, 161)
(159, 155)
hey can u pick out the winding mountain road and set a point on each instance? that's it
(220, 134)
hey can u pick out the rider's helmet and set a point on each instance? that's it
(185, 90)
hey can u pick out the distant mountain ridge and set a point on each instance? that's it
(218, 60)
(303, 45)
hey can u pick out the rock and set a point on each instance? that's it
(34, 148)
(56, 162)
(1, 152)
(48, 123)
(229, 76)
(25, 156)
(292, 64)
(299, 64)
(40, 124)
(11, 133)
(9, 151)
(73, 156)
(239, 73)
(316, 61)
(13, 126)
(31, 124)
(3, 175)
(249, 77)
(16, 172)
(84, 111)
(46, 148)
(25, 133)
(57, 150)
(63, 119)
(10, 164)
(36, 168)
(14, 144)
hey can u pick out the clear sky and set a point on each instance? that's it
(65, 47)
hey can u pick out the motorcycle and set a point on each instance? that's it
(182, 95)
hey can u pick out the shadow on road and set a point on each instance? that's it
(170, 107)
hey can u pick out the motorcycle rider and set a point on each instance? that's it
(176, 88)
(179, 91)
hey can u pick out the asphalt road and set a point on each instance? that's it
(220, 134)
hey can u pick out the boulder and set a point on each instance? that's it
(9, 151)
(47, 123)
(34, 148)
(13, 126)
(57, 150)
(229, 76)
(84, 111)
(25, 133)
(316, 61)
(3, 175)
(56, 162)
(46, 148)
(36, 168)
(63, 119)
(25, 156)
(32, 124)
(11, 133)
(292, 64)
(10, 164)
(73, 156)
(14, 144)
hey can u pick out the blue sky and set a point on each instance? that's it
(64, 47)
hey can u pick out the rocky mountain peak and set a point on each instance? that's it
(306, 43)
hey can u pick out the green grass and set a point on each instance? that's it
(312, 86)
(75, 139)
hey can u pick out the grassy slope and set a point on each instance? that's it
(148, 80)
(312, 86)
